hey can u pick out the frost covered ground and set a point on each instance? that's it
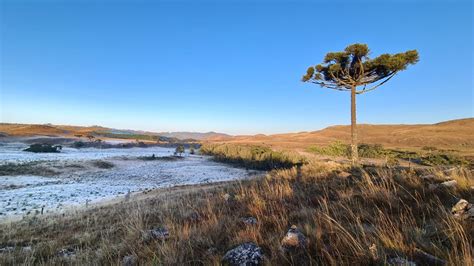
(83, 183)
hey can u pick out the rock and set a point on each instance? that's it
(7, 249)
(67, 253)
(27, 249)
(247, 254)
(249, 221)
(293, 240)
(400, 262)
(449, 184)
(160, 233)
(427, 259)
(211, 251)
(130, 260)
(193, 217)
(227, 196)
(463, 210)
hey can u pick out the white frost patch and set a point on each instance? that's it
(22, 195)
(13, 153)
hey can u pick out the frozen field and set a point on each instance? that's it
(83, 184)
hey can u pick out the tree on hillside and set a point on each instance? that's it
(353, 71)
(179, 150)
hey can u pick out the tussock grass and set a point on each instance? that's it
(103, 164)
(364, 218)
(28, 168)
(255, 157)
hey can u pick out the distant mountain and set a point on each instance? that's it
(194, 135)
(10, 129)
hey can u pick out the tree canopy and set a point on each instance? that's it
(353, 67)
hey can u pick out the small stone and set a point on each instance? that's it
(211, 251)
(130, 260)
(249, 221)
(26, 249)
(193, 217)
(67, 253)
(160, 233)
(227, 196)
(400, 262)
(463, 210)
(461, 205)
(247, 254)
(293, 240)
(450, 183)
(7, 249)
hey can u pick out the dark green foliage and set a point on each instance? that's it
(336, 148)
(253, 157)
(191, 149)
(352, 68)
(43, 148)
(372, 151)
(78, 144)
(179, 150)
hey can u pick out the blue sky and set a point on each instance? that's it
(226, 66)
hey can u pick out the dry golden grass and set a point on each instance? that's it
(374, 214)
(455, 134)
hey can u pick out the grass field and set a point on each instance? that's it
(366, 215)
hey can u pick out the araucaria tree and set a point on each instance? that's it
(353, 71)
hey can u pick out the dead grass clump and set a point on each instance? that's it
(103, 164)
(29, 168)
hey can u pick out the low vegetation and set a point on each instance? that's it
(103, 164)
(428, 156)
(350, 216)
(254, 157)
(44, 148)
(29, 168)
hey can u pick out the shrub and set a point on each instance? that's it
(179, 150)
(336, 148)
(78, 144)
(37, 148)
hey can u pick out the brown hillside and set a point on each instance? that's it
(28, 130)
(455, 134)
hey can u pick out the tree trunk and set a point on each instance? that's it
(354, 151)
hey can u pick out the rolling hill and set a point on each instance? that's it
(25, 130)
(454, 134)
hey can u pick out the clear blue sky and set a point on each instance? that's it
(227, 66)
